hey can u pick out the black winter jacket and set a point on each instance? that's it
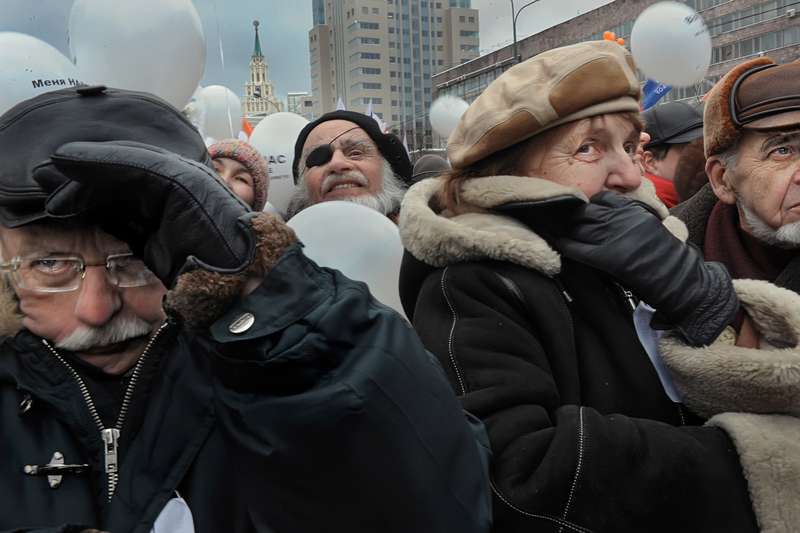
(544, 351)
(326, 415)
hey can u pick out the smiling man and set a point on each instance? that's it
(345, 156)
(748, 216)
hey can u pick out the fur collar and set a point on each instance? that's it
(438, 240)
(199, 297)
(724, 377)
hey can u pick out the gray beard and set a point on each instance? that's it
(386, 202)
(787, 236)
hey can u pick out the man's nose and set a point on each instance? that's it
(339, 163)
(98, 299)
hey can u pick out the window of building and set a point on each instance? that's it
(439, 34)
(462, 18)
(395, 118)
(468, 33)
(393, 88)
(439, 20)
(438, 5)
(375, 11)
(364, 10)
(370, 55)
(368, 25)
(394, 103)
(370, 40)
(392, 59)
(471, 19)
(371, 71)
(371, 85)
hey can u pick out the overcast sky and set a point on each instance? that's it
(284, 31)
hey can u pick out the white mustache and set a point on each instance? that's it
(332, 180)
(121, 328)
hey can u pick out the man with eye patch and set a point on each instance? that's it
(748, 216)
(343, 155)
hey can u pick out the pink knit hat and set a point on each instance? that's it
(253, 161)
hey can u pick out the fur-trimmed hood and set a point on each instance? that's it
(438, 240)
(199, 297)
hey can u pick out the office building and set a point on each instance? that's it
(740, 30)
(383, 54)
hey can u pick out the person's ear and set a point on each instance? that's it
(720, 179)
(649, 162)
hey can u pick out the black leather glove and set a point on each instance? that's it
(173, 212)
(625, 239)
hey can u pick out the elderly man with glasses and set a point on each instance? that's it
(173, 362)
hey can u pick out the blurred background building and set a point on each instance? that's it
(382, 55)
(740, 30)
(259, 96)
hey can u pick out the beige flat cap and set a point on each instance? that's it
(555, 87)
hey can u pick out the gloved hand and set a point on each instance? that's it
(625, 239)
(173, 212)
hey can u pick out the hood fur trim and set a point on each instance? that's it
(723, 377)
(201, 297)
(439, 241)
(479, 234)
(10, 317)
(769, 452)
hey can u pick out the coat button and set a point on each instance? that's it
(242, 324)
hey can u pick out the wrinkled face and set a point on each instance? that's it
(236, 177)
(356, 168)
(593, 155)
(765, 177)
(82, 320)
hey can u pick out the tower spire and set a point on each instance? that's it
(257, 47)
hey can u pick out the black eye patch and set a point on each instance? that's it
(319, 156)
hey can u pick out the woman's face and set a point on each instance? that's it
(593, 154)
(236, 177)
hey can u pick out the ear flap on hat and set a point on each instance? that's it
(719, 131)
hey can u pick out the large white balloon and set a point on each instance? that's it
(445, 114)
(356, 240)
(274, 137)
(29, 67)
(671, 44)
(155, 46)
(222, 112)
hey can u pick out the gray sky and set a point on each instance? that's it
(284, 31)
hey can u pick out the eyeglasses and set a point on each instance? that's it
(65, 273)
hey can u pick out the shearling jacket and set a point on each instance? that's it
(544, 351)
(304, 406)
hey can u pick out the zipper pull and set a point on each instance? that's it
(110, 444)
(629, 296)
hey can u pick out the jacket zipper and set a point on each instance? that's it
(110, 436)
(628, 295)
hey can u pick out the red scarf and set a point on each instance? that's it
(665, 190)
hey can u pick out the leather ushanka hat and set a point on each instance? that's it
(34, 129)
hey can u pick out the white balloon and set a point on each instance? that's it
(358, 241)
(222, 112)
(274, 137)
(445, 114)
(29, 67)
(155, 46)
(671, 44)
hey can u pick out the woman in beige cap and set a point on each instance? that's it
(523, 269)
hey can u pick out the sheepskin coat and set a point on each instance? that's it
(303, 406)
(544, 351)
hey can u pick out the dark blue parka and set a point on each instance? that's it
(326, 414)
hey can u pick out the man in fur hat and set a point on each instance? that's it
(264, 394)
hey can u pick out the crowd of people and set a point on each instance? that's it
(577, 357)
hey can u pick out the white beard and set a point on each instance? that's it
(386, 202)
(121, 328)
(787, 236)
